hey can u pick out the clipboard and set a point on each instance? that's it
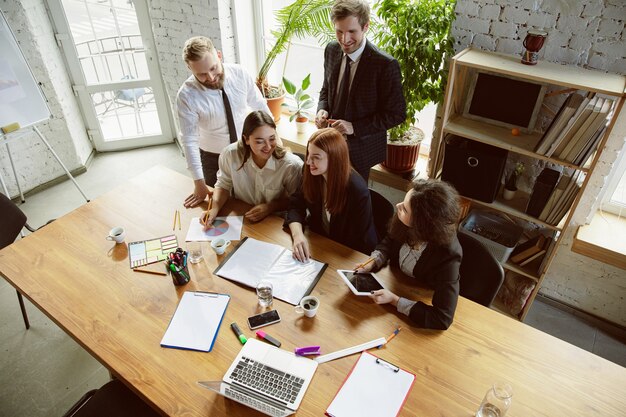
(196, 321)
(374, 387)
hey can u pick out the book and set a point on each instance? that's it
(542, 251)
(583, 128)
(565, 113)
(545, 183)
(572, 125)
(196, 321)
(554, 197)
(581, 160)
(372, 378)
(565, 202)
(581, 120)
(588, 134)
(527, 249)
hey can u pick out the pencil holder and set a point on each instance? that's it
(177, 265)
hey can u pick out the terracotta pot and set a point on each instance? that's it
(275, 106)
(401, 158)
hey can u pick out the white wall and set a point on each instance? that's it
(588, 34)
(66, 131)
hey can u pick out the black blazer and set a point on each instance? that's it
(438, 267)
(375, 104)
(354, 227)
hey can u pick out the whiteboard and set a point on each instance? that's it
(21, 99)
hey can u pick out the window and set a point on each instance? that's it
(614, 199)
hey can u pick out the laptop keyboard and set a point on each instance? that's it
(270, 381)
(254, 403)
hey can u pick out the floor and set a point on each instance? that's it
(43, 371)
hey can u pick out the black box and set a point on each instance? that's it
(475, 169)
(544, 185)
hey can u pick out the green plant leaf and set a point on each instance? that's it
(289, 86)
(306, 82)
(293, 116)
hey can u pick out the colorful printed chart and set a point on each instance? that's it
(219, 228)
(150, 251)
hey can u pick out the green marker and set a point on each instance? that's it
(238, 333)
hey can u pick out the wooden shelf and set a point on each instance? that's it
(546, 72)
(501, 137)
(521, 270)
(515, 207)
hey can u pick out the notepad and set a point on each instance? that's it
(196, 321)
(254, 260)
(373, 388)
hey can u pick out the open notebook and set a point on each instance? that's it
(254, 260)
(372, 378)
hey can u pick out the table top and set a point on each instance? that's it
(85, 285)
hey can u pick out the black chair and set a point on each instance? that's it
(12, 220)
(481, 274)
(113, 399)
(382, 211)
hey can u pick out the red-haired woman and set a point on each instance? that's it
(335, 195)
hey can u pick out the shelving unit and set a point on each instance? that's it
(557, 77)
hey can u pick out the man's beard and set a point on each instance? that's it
(217, 84)
(401, 232)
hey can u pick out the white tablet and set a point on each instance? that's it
(360, 284)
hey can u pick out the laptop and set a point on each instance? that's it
(266, 378)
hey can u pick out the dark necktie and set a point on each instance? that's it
(342, 98)
(229, 118)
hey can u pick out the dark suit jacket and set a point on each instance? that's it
(375, 104)
(438, 267)
(354, 227)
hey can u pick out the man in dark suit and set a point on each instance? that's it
(366, 100)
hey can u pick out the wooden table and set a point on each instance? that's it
(84, 284)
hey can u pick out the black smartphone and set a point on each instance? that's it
(263, 319)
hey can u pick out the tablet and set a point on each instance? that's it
(360, 284)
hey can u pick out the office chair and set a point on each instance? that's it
(481, 274)
(113, 399)
(382, 211)
(12, 220)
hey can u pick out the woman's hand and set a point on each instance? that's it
(384, 297)
(258, 212)
(207, 221)
(301, 249)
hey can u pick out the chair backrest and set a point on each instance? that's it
(12, 220)
(481, 274)
(382, 211)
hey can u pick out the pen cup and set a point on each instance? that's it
(177, 266)
(308, 306)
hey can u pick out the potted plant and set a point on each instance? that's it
(510, 186)
(417, 34)
(302, 102)
(301, 18)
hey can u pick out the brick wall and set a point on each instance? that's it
(587, 34)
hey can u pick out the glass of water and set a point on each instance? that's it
(195, 252)
(497, 401)
(264, 291)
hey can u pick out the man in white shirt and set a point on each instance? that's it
(202, 113)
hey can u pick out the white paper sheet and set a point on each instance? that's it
(255, 260)
(226, 227)
(373, 389)
(196, 321)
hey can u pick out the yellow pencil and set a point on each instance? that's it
(179, 228)
(146, 271)
(364, 264)
(206, 216)
(175, 216)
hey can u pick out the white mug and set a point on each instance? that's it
(308, 306)
(117, 234)
(219, 245)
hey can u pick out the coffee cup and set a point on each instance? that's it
(219, 245)
(117, 234)
(308, 306)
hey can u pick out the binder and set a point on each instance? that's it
(196, 321)
(374, 387)
(544, 185)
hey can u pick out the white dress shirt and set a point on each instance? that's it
(202, 116)
(355, 57)
(254, 185)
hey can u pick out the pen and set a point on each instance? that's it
(238, 333)
(267, 337)
(369, 261)
(391, 336)
(149, 272)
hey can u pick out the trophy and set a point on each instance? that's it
(533, 43)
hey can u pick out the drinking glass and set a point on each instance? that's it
(264, 290)
(195, 252)
(497, 401)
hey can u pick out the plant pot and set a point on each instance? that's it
(301, 124)
(402, 156)
(275, 106)
(508, 194)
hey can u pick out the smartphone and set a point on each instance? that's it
(263, 319)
